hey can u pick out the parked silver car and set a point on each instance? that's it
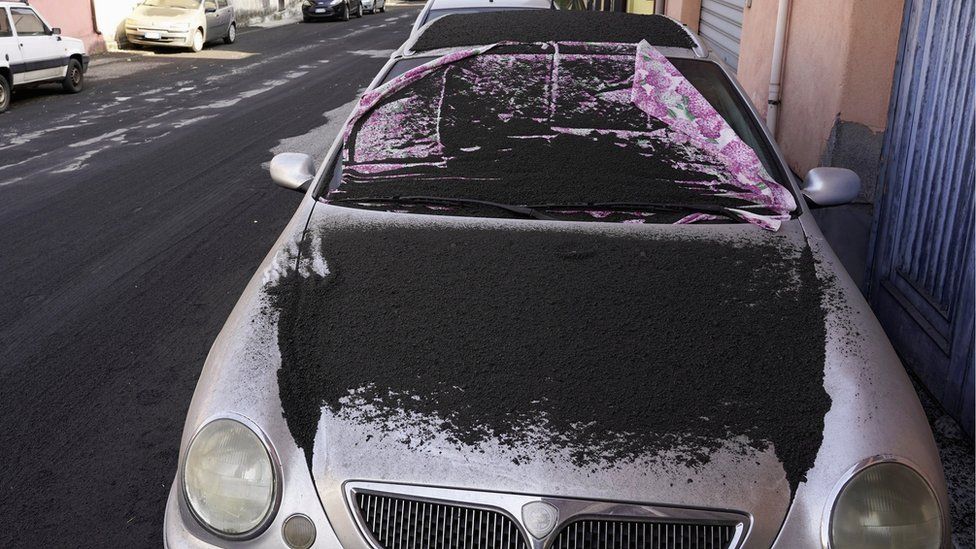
(555, 293)
(181, 23)
(374, 6)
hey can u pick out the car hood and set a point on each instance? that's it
(157, 13)
(586, 360)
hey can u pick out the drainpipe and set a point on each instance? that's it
(94, 19)
(776, 74)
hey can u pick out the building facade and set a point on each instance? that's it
(884, 88)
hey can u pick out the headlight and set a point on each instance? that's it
(228, 478)
(886, 505)
(336, 2)
(179, 27)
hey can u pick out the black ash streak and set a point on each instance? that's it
(628, 347)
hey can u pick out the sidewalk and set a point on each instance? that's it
(956, 452)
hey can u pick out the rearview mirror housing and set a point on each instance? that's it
(824, 187)
(56, 31)
(293, 171)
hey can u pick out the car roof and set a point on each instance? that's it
(490, 27)
(459, 4)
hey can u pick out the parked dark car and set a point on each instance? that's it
(331, 9)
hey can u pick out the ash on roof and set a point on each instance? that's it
(619, 347)
(460, 30)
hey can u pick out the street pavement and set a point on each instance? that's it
(131, 217)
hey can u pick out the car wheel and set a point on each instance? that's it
(74, 79)
(359, 10)
(306, 19)
(197, 44)
(345, 12)
(4, 94)
(381, 9)
(231, 34)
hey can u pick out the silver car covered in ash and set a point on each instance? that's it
(181, 23)
(555, 293)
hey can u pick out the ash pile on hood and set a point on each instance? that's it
(612, 348)
(556, 123)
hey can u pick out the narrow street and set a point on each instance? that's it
(132, 216)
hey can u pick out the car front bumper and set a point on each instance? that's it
(328, 13)
(167, 38)
(182, 531)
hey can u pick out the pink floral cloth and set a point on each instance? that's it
(663, 92)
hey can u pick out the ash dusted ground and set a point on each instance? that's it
(551, 26)
(619, 347)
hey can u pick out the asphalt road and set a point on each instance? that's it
(131, 217)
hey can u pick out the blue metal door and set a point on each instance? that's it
(922, 273)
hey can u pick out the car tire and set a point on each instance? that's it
(197, 45)
(4, 94)
(381, 9)
(306, 19)
(359, 10)
(345, 12)
(74, 78)
(231, 34)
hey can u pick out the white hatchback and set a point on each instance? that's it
(33, 52)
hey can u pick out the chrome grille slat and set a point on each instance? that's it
(624, 534)
(406, 523)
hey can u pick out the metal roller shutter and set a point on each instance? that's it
(922, 282)
(721, 28)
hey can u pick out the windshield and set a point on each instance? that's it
(563, 128)
(182, 4)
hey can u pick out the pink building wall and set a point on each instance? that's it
(74, 17)
(837, 76)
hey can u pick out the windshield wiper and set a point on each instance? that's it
(524, 211)
(644, 206)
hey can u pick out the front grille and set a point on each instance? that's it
(618, 534)
(400, 523)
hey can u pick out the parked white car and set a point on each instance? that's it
(33, 52)
(181, 23)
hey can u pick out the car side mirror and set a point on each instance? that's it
(293, 171)
(824, 187)
(56, 31)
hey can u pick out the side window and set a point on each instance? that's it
(27, 22)
(5, 29)
(210, 5)
(221, 4)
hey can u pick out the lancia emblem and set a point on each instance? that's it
(539, 518)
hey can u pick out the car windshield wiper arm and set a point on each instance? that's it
(524, 211)
(645, 206)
